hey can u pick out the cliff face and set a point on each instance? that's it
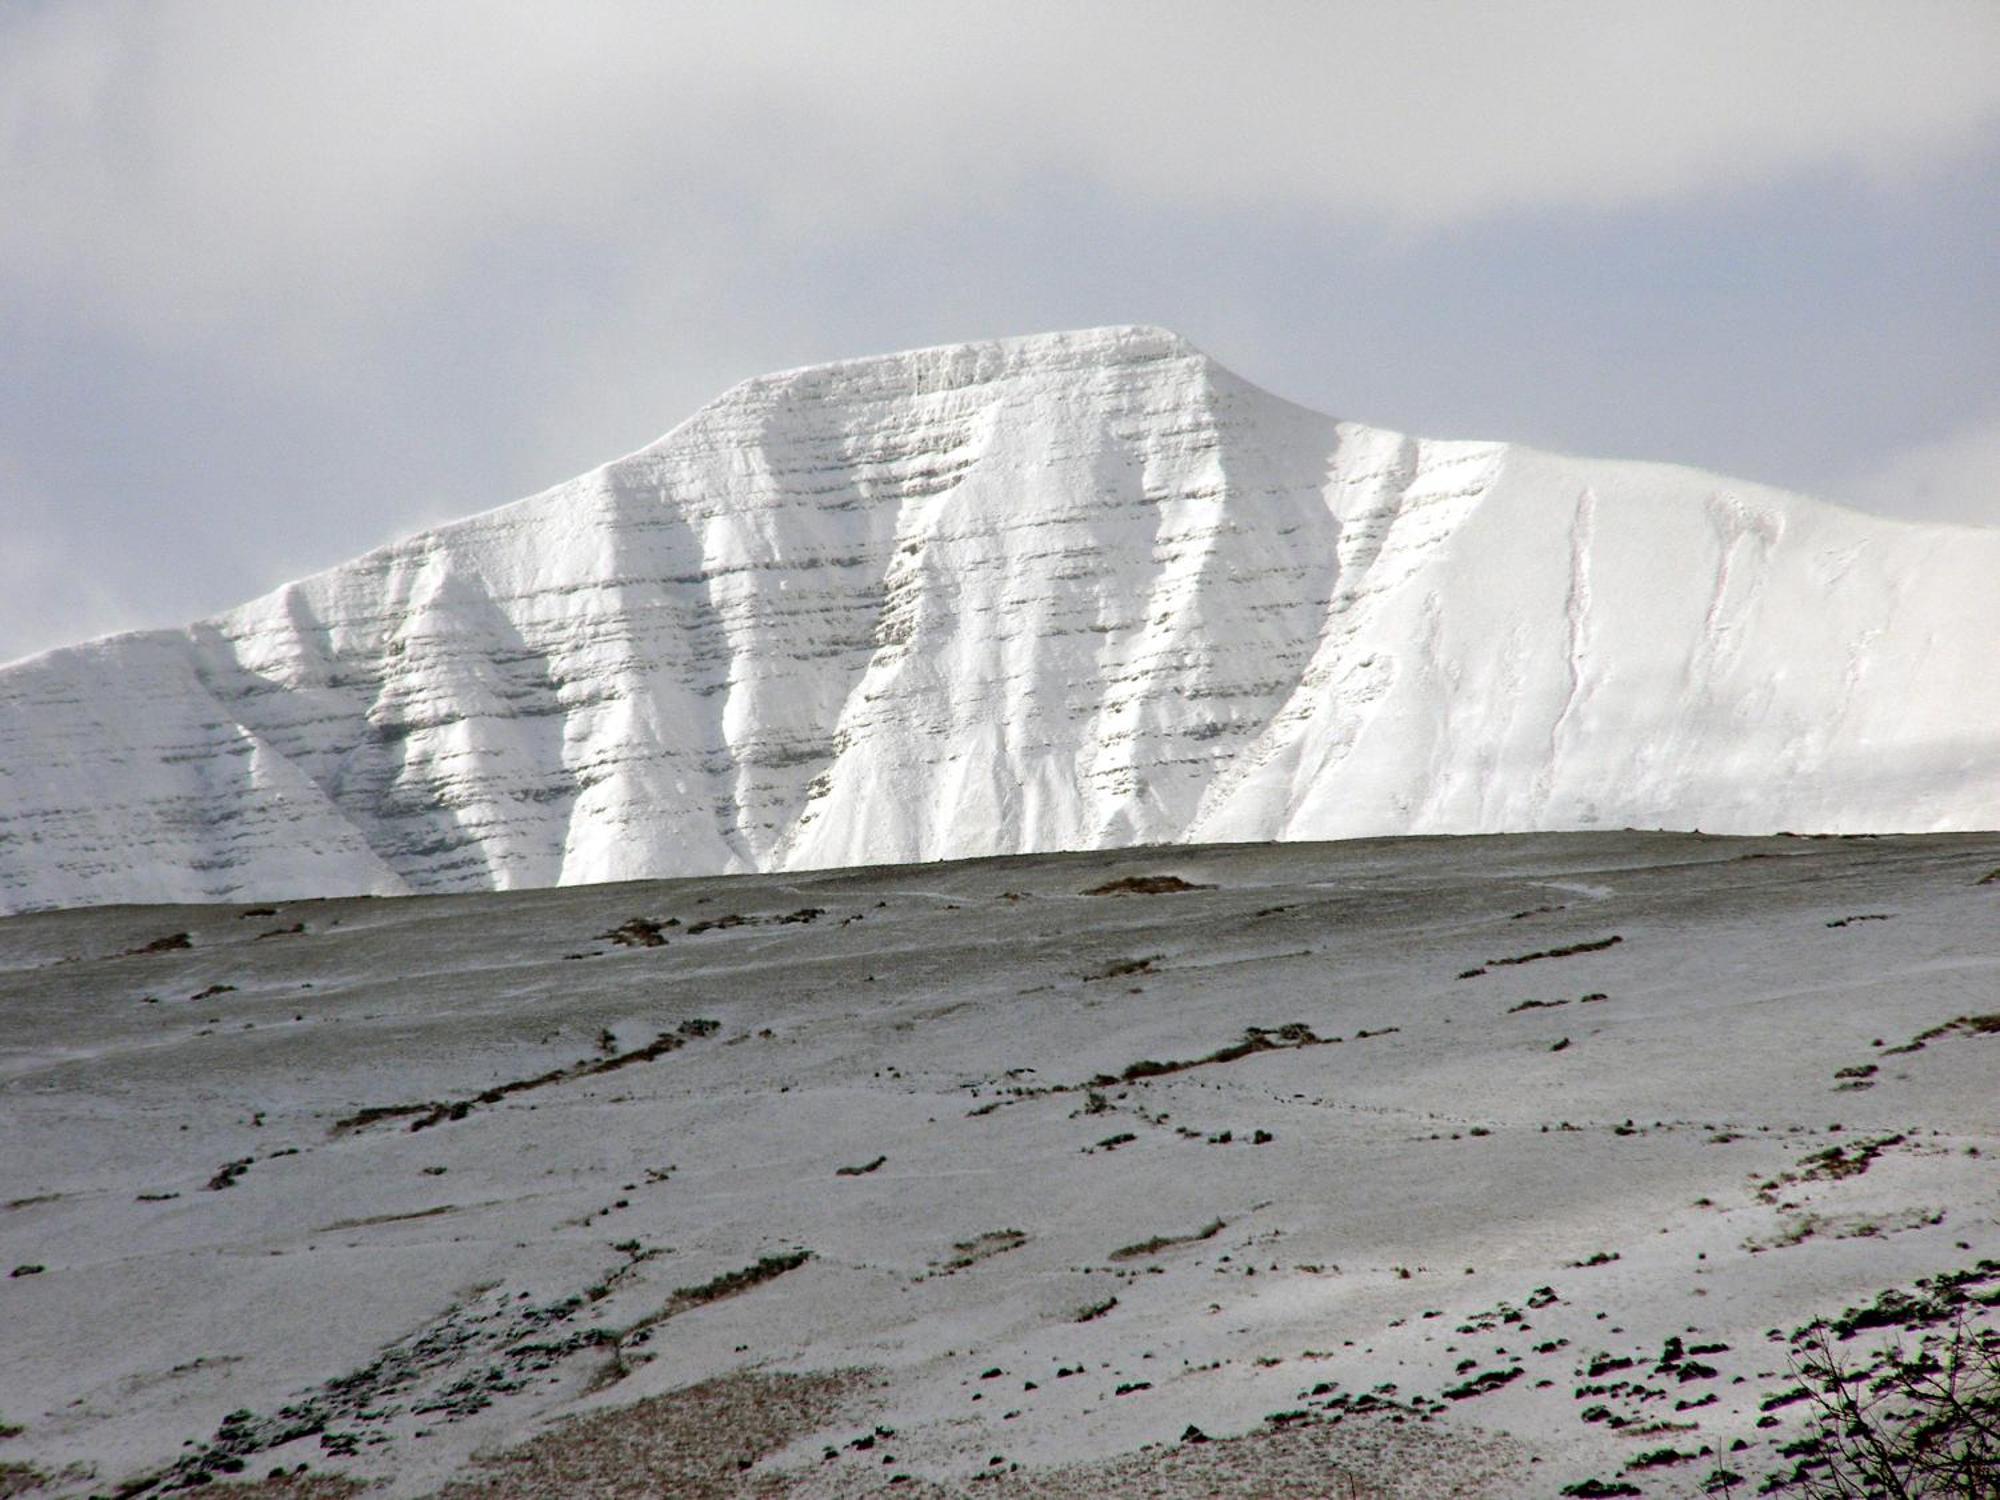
(1071, 591)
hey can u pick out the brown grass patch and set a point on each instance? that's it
(1353, 1460)
(694, 1444)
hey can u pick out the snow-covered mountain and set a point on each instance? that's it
(1072, 591)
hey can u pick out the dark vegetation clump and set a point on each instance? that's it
(715, 924)
(1984, 1025)
(982, 1247)
(430, 1113)
(1480, 1385)
(1910, 1420)
(1256, 1039)
(732, 1283)
(1937, 1300)
(660, 1046)
(173, 942)
(227, 1174)
(375, 1114)
(687, 1298)
(1569, 952)
(1120, 969)
(804, 915)
(1849, 1159)
(1145, 885)
(1161, 1242)
(640, 932)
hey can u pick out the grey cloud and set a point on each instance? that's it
(187, 165)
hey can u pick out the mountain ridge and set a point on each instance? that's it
(1073, 590)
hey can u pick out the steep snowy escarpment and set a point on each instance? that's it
(1061, 592)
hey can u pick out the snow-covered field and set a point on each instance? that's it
(959, 1173)
(1074, 591)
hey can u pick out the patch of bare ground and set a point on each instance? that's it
(694, 1444)
(1310, 1461)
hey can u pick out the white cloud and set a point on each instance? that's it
(1954, 478)
(191, 169)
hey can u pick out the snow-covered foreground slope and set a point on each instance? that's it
(1076, 591)
(380, 1186)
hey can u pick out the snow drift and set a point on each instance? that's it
(1072, 591)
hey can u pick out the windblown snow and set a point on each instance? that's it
(1075, 591)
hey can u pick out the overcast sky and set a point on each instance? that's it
(281, 282)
